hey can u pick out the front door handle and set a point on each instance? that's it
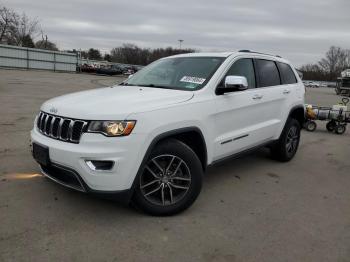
(257, 96)
(286, 91)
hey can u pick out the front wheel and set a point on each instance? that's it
(310, 125)
(287, 145)
(170, 180)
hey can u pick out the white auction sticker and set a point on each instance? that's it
(192, 79)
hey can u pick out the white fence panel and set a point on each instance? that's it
(31, 58)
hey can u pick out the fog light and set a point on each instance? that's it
(100, 165)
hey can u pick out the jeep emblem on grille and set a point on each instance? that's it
(53, 110)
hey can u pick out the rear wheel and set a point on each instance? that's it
(170, 181)
(287, 145)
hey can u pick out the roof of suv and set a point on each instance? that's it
(227, 54)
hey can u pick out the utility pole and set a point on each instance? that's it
(180, 42)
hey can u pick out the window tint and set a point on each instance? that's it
(287, 74)
(244, 67)
(268, 73)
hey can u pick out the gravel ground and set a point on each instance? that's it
(250, 209)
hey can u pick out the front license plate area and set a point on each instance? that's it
(41, 154)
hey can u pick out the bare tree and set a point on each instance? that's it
(344, 59)
(6, 23)
(94, 54)
(329, 68)
(334, 61)
(23, 28)
(44, 43)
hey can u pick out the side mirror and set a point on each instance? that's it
(232, 84)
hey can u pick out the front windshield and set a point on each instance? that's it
(183, 73)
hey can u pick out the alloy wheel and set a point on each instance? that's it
(165, 180)
(292, 140)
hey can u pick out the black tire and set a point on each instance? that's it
(310, 125)
(331, 126)
(188, 175)
(287, 145)
(340, 129)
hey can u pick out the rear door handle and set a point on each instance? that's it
(286, 91)
(257, 96)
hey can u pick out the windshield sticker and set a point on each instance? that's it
(192, 79)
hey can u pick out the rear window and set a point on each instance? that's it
(287, 74)
(268, 73)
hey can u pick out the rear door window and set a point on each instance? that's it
(287, 74)
(268, 73)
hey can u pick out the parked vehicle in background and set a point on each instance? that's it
(311, 84)
(86, 68)
(127, 69)
(306, 83)
(332, 84)
(150, 139)
(107, 68)
(319, 84)
(138, 68)
(110, 70)
(343, 83)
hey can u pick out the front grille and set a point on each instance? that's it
(61, 128)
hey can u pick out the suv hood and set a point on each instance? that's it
(113, 103)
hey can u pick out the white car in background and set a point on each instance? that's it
(311, 84)
(150, 139)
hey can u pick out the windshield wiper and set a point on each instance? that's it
(125, 84)
(153, 85)
(141, 85)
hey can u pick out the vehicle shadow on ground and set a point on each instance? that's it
(231, 166)
(214, 177)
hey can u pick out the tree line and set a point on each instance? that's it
(328, 68)
(132, 54)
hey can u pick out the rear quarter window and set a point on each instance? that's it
(268, 73)
(287, 74)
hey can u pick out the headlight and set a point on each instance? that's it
(112, 128)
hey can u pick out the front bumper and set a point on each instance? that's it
(124, 151)
(71, 179)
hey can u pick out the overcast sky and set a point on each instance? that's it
(300, 30)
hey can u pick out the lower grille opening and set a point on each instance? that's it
(63, 176)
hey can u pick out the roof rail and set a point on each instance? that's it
(249, 51)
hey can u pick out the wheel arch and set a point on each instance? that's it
(298, 113)
(191, 136)
(177, 134)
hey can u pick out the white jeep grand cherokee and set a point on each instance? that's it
(150, 139)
